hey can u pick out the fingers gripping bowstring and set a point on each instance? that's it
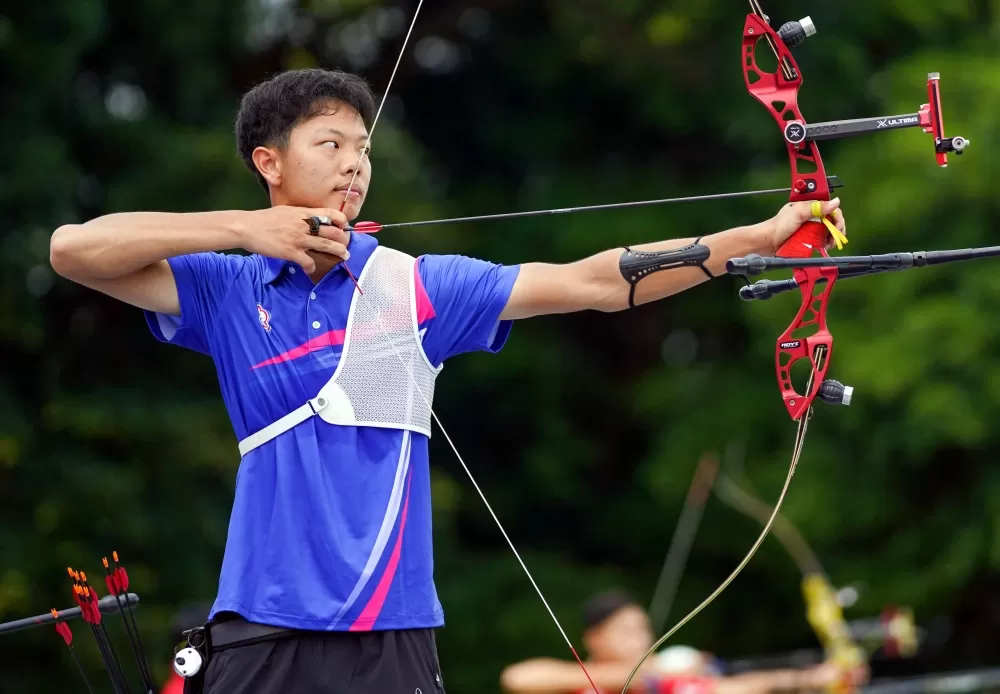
(409, 370)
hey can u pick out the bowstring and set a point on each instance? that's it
(413, 379)
(385, 95)
(368, 141)
(496, 519)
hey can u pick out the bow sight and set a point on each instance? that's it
(928, 117)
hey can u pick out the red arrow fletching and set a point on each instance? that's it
(367, 227)
(62, 628)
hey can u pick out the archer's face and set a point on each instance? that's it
(625, 636)
(320, 160)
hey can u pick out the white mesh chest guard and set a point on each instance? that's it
(383, 378)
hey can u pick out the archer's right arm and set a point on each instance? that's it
(124, 255)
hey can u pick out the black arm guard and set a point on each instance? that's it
(635, 265)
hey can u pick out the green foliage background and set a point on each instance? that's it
(589, 426)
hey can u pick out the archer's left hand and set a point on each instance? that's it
(795, 214)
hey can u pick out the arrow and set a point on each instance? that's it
(117, 583)
(373, 227)
(62, 628)
(86, 598)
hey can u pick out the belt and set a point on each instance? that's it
(233, 633)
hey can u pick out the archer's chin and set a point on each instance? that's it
(352, 209)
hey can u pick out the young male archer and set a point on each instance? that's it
(327, 580)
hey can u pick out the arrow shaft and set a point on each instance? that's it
(132, 632)
(138, 648)
(594, 208)
(79, 666)
(107, 656)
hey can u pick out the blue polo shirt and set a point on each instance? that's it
(331, 525)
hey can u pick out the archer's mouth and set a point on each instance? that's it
(356, 192)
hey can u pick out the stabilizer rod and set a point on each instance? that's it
(866, 264)
(762, 290)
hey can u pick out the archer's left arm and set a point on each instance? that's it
(617, 278)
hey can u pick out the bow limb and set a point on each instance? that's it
(846, 644)
(799, 439)
(680, 545)
(742, 497)
(787, 534)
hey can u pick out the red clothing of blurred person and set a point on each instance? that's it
(175, 685)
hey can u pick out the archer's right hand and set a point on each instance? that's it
(282, 232)
(830, 675)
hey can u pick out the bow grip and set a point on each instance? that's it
(811, 237)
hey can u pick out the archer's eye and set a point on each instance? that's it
(332, 143)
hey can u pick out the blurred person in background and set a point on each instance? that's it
(617, 632)
(327, 582)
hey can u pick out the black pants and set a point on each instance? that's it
(373, 662)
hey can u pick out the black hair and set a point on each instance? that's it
(270, 110)
(601, 607)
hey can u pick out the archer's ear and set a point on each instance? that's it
(268, 163)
